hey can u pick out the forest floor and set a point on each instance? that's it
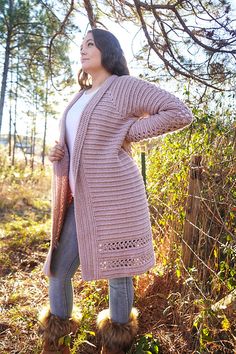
(162, 299)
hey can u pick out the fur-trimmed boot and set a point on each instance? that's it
(56, 333)
(116, 338)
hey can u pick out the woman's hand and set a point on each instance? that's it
(56, 153)
(127, 146)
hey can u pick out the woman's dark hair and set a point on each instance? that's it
(113, 59)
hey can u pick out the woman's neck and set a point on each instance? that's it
(98, 79)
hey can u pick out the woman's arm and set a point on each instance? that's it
(157, 112)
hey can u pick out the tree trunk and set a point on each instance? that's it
(4, 78)
(6, 64)
(9, 132)
(33, 132)
(45, 123)
(16, 111)
(10, 117)
(14, 144)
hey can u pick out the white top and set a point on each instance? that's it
(72, 122)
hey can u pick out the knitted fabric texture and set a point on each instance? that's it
(111, 209)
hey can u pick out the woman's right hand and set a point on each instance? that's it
(56, 153)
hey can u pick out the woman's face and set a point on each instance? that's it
(90, 55)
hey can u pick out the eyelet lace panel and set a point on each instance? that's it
(123, 245)
(126, 262)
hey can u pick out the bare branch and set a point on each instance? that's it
(89, 10)
(60, 31)
(196, 40)
(50, 10)
(150, 7)
(166, 62)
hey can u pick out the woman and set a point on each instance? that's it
(100, 212)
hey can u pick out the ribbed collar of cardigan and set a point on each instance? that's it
(84, 121)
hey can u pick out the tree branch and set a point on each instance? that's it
(61, 31)
(91, 16)
(196, 40)
(149, 7)
(166, 62)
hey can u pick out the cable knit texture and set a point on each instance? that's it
(111, 209)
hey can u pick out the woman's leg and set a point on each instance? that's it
(118, 325)
(65, 262)
(121, 297)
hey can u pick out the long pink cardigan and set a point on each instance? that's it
(111, 209)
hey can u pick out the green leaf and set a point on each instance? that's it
(67, 340)
(178, 273)
(64, 340)
(225, 324)
(155, 349)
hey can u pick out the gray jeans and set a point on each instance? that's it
(65, 262)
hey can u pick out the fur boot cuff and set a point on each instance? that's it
(117, 337)
(56, 331)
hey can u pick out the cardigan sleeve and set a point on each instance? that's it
(154, 111)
